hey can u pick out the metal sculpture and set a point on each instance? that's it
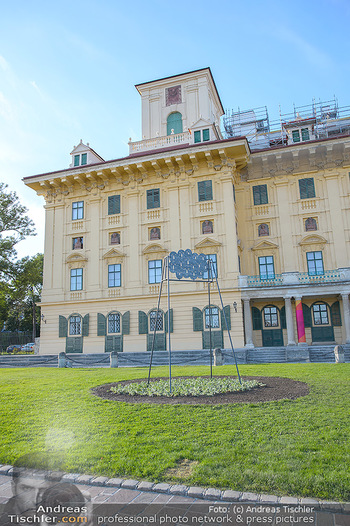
(189, 266)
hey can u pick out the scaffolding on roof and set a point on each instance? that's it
(318, 120)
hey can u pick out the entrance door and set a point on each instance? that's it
(322, 327)
(272, 335)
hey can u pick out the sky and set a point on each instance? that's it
(68, 71)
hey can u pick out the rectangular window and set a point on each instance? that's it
(114, 323)
(155, 271)
(296, 136)
(84, 158)
(205, 191)
(78, 210)
(76, 279)
(206, 135)
(305, 134)
(260, 194)
(114, 275)
(74, 325)
(307, 188)
(113, 204)
(76, 160)
(212, 318)
(314, 263)
(213, 267)
(153, 198)
(197, 136)
(266, 267)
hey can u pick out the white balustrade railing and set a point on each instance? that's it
(159, 142)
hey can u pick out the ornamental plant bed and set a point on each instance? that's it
(272, 388)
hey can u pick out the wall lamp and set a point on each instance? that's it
(235, 306)
(43, 318)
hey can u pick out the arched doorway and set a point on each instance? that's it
(272, 335)
(321, 322)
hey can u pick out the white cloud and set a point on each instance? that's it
(314, 55)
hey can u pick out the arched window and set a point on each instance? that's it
(212, 317)
(153, 318)
(320, 314)
(174, 123)
(270, 316)
(310, 224)
(114, 325)
(75, 325)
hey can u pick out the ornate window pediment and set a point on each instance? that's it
(208, 246)
(154, 251)
(113, 256)
(313, 242)
(263, 245)
(76, 260)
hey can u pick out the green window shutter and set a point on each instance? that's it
(101, 325)
(260, 196)
(126, 323)
(76, 160)
(296, 136)
(153, 198)
(256, 315)
(197, 319)
(171, 321)
(70, 345)
(227, 311)
(205, 191)
(307, 188)
(62, 327)
(283, 318)
(307, 315)
(86, 325)
(143, 322)
(305, 134)
(113, 204)
(109, 346)
(335, 314)
(206, 135)
(84, 158)
(197, 136)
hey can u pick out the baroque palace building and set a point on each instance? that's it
(269, 207)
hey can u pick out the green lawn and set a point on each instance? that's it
(298, 448)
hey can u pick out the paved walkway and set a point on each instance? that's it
(177, 504)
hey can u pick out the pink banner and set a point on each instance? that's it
(300, 321)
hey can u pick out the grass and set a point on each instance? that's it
(288, 447)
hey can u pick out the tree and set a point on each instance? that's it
(15, 225)
(25, 291)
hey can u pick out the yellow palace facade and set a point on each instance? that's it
(270, 209)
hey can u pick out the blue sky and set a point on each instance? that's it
(68, 70)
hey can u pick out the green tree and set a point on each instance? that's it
(25, 292)
(15, 225)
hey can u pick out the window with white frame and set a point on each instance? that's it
(212, 318)
(266, 267)
(74, 325)
(212, 267)
(114, 323)
(315, 263)
(78, 210)
(155, 271)
(114, 275)
(76, 279)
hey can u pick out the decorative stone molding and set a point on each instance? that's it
(208, 246)
(113, 256)
(312, 242)
(154, 251)
(76, 261)
(263, 245)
